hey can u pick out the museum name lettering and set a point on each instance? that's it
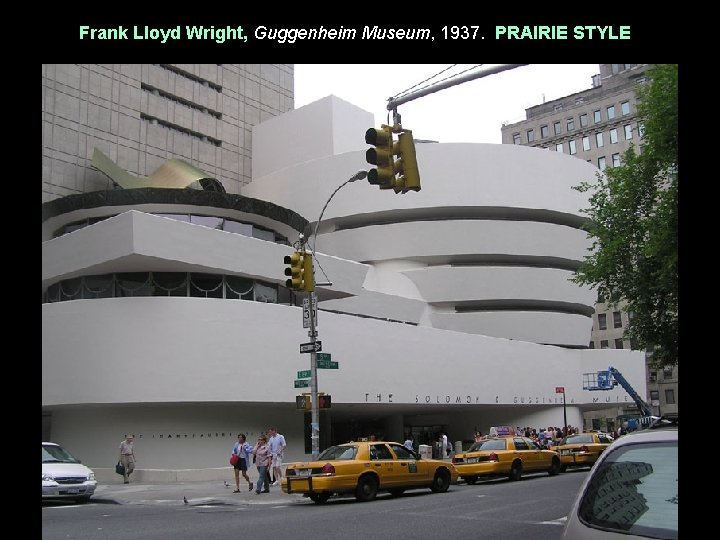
(448, 399)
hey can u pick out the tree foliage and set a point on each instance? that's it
(633, 224)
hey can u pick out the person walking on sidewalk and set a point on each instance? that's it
(242, 450)
(277, 447)
(127, 457)
(263, 460)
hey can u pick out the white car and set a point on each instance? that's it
(63, 476)
(632, 490)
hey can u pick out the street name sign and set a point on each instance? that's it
(327, 365)
(305, 374)
(303, 383)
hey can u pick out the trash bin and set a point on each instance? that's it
(425, 451)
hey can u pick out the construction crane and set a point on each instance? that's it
(607, 380)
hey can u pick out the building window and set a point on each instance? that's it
(670, 396)
(516, 138)
(618, 343)
(597, 116)
(544, 132)
(628, 132)
(653, 376)
(667, 372)
(616, 160)
(584, 120)
(613, 136)
(617, 319)
(559, 148)
(570, 124)
(586, 143)
(602, 165)
(604, 344)
(557, 107)
(655, 395)
(557, 128)
(611, 112)
(625, 108)
(599, 140)
(602, 321)
(573, 150)
(530, 135)
(617, 68)
(592, 345)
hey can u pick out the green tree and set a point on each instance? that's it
(633, 224)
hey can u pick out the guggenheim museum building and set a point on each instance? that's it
(165, 312)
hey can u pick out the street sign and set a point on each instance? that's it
(305, 374)
(327, 365)
(559, 389)
(310, 347)
(303, 383)
(306, 312)
(323, 357)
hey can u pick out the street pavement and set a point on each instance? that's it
(196, 493)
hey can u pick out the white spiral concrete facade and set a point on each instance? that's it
(448, 307)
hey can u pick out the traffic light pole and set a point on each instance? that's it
(314, 405)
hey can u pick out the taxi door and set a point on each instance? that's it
(412, 472)
(530, 453)
(384, 464)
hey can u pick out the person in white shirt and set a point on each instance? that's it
(277, 448)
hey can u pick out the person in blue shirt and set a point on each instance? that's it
(242, 450)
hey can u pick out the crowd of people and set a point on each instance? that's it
(267, 455)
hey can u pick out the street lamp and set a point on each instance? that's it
(314, 405)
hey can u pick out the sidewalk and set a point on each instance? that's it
(197, 494)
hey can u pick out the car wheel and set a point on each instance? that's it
(319, 498)
(396, 492)
(516, 471)
(441, 482)
(367, 488)
(471, 480)
(554, 469)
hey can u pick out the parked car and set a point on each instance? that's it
(632, 490)
(509, 456)
(64, 476)
(582, 449)
(364, 468)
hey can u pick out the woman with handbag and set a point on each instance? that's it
(240, 459)
(263, 459)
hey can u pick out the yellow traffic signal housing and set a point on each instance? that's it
(295, 270)
(308, 275)
(382, 156)
(409, 175)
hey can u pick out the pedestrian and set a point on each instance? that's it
(444, 450)
(478, 436)
(242, 450)
(409, 443)
(277, 448)
(263, 460)
(127, 457)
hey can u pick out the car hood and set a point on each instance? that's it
(65, 469)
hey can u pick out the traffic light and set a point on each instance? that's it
(382, 156)
(399, 174)
(308, 277)
(324, 402)
(295, 270)
(409, 176)
(302, 402)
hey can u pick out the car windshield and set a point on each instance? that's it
(490, 444)
(635, 491)
(339, 452)
(56, 454)
(578, 439)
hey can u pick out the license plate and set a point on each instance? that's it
(73, 490)
(472, 460)
(302, 472)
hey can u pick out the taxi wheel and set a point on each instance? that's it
(554, 469)
(319, 498)
(367, 488)
(441, 482)
(516, 471)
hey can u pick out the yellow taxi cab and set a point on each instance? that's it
(509, 456)
(365, 467)
(582, 449)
